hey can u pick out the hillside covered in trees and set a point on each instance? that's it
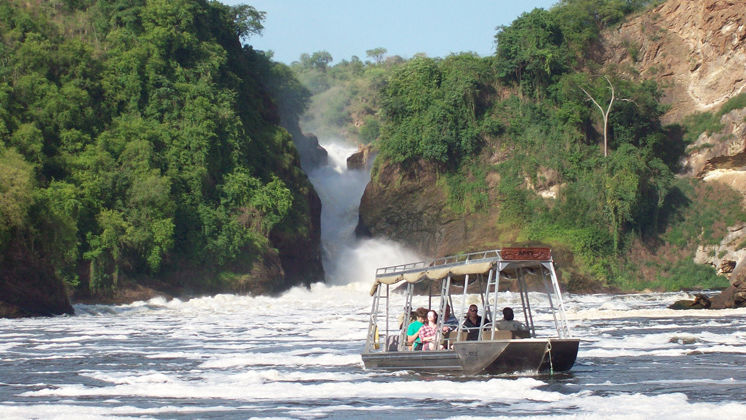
(144, 146)
(140, 144)
(547, 142)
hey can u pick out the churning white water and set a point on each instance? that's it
(298, 355)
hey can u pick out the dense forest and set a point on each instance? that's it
(569, 150)
(140, 140)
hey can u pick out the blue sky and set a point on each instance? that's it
(403, 27)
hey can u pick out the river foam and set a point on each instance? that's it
(297, 355)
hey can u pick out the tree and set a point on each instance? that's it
(431, 109)
(320, 60)
(622, 178)
(116, 145)
(376, 54)
(16, 191)
(531, 51)
(247, 21)
(605, 113)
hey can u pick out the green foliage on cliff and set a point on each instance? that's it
(527, 116)
(708, 122)
(431, 110)
(138, 137)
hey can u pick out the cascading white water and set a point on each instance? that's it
(346, 258)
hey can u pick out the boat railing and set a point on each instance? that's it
(441, 262)
(401, 268)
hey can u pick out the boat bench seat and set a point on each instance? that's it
(499, 335)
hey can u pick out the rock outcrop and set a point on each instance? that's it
(408, 207)
(362, 159)
(734, 296)
(300, 255)
(721, 157)
(739, 271)
(29, 286)
(724, 256)
(700, 301)
(312, 155)
(695, 50)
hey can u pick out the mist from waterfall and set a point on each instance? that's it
(346, 258)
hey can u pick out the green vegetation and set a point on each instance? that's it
(707, 222)
(431, 110)
(708, 122)
(346, 100)
(680, 274)
(525, 117)
(140, 137)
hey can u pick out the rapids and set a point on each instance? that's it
(298, 355)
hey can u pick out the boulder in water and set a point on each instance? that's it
(734, 296)
(700, 302)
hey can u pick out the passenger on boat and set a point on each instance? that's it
(473, 323)
(429, 331)
(413, 332)
(449, 321)
(508, 324)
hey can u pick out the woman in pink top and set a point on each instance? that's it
(429, 331)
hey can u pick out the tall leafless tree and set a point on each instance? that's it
(605, 114)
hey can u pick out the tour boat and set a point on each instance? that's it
(544, 346)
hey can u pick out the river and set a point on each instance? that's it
(298, 355)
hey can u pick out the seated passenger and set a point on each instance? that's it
(413, 332)
(508, 324)
(429, 332)
(473, 323)
(449, 321)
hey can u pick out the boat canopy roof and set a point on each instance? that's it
(459, 265)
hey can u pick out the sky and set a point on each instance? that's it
(347, 28)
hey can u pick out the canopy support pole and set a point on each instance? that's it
(526, 304)
(551, 303)
(463, 304)
(555, 284)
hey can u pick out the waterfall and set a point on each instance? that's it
(347, 259)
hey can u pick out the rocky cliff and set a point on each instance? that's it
(696, 51)
(29, 286)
